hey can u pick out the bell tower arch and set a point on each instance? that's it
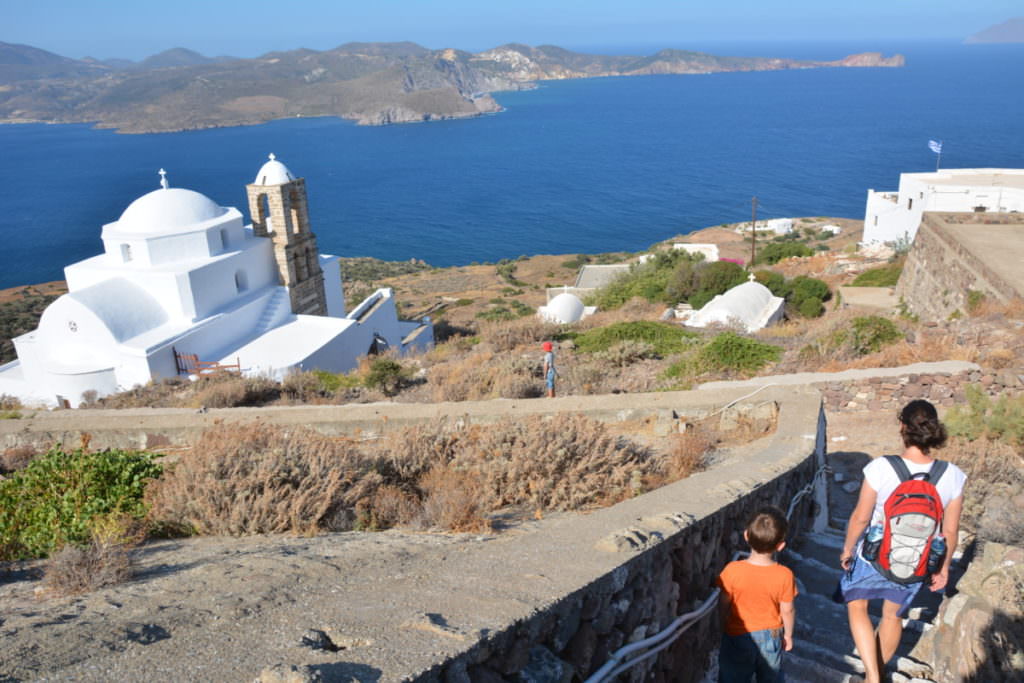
(277, 205)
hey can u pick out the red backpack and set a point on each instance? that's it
(913, 516)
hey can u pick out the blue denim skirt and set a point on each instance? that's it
(863, 582)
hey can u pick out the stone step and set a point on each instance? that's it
(801, 670)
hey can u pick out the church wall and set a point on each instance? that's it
(212, 287)
(213, 338)
(335, 295)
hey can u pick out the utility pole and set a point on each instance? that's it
(753, 232)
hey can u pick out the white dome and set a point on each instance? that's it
(166, 210)
(273, 173)
(565, 308)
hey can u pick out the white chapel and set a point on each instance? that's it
(182, 281)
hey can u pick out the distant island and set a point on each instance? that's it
(370, 83)
(1010, 31)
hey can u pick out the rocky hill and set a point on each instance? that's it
(1010, 31)
(371, 83)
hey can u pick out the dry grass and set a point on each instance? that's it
(1013, 309)
(687, 453)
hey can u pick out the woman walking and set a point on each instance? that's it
(896, 574)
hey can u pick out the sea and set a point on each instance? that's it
(580, 166)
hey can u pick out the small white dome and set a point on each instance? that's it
(273, 173)
(565, 308)
(167, 210)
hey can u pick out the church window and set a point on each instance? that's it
(876, 220)
(264, 204)
(910, 203)
(241, 281)
(126, 253)
(224, 238)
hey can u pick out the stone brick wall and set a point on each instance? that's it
(943, 389)
(940, 271)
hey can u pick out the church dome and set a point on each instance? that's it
(167, 210)
(565, 308)
(273, 173)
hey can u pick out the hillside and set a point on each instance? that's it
(370, 83)
(1010, 31)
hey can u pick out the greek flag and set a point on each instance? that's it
(935, 146)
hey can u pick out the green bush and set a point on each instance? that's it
(776, 251)
(1001, 419)
(775, 282)
(803, 289)
(731, 352)
(56, 498)
(387, 375)
(648, 280)
(974, 300)
(883, 276)
(682, 283)
(869, 334)
(664, 339)
(811, 308)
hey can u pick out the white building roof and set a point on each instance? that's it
(750, 303)
(273, 173)
(167, 211)
(599, 276)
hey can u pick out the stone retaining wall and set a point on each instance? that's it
(944, 389)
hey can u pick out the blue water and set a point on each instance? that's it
(574, 166)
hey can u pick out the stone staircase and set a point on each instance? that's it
(823, 650)
(275, 309)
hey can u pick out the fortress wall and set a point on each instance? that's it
(944, 264)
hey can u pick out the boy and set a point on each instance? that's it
(757, 605)
(549, 367)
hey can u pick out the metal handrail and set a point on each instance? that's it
(661, 640)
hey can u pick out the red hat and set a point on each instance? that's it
(547, 346)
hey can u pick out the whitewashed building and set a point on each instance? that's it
(183, 279)
(750, 305)
(895, 216)
(709, 251)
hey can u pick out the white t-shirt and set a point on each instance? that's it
(882, 477)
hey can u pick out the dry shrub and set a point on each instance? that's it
(565, 462)
(303, 387)
(995, 475)
(17, 458)
(104, 561)
(471, 378)
(453, 500)
(255, 478)
(505, 336)
(390, 506)
(999, 358)
(227, 390)
(687, 453)
(584, 377)
(73, 570)
(1013, 309)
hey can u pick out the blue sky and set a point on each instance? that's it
(136, 28)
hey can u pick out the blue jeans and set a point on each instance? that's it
(757, 654)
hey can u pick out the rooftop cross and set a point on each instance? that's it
(272, 157)
(163, 179)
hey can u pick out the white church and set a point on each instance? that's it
(183, 286)
(895, 216)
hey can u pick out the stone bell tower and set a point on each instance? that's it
(277, 204)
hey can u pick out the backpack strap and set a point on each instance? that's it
(937, 470)
(901, 467)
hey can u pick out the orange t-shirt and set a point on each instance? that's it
(755, 592)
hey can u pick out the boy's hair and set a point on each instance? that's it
(767, 529)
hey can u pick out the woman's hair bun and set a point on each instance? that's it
(921, 426)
